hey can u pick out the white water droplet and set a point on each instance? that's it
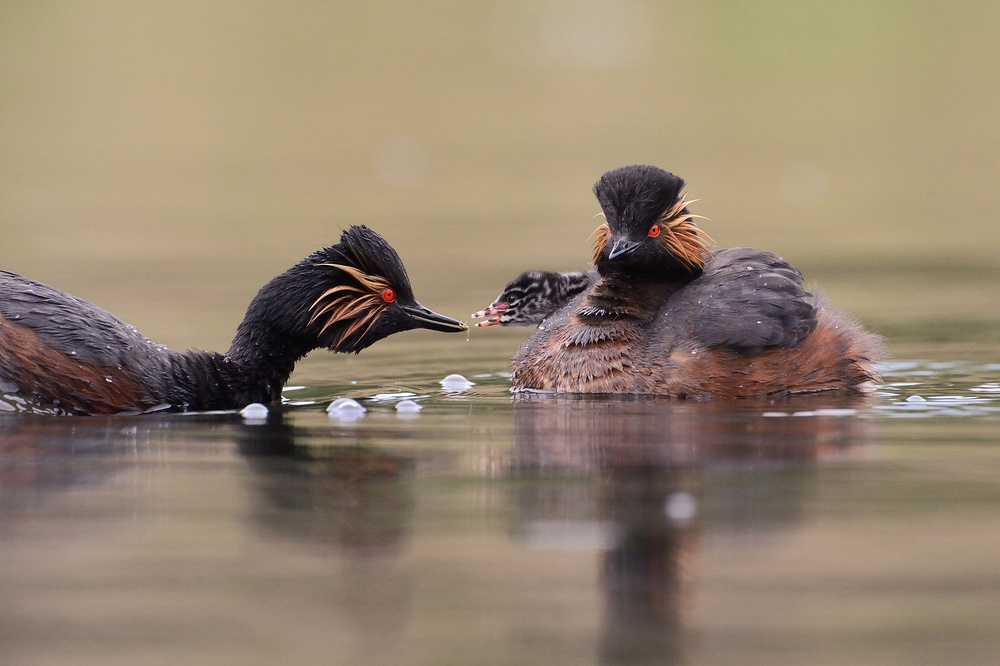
(254, 412)
(408, 407)
(345, 409)
(456, 384)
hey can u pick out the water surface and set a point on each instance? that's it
(487, 529)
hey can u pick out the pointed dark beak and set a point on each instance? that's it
(622, 246)
(421, 317)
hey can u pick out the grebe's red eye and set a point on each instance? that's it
(388, 295)
(654, 231)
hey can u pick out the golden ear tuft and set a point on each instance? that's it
(358, 305)
(601, 235)
(683, 239)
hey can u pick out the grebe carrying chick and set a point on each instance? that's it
(661, 314)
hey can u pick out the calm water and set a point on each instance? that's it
(486, 530)
(164, 161)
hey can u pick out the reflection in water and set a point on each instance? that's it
(355, 496)
(644, 483)
(664, 472)
(39, 454)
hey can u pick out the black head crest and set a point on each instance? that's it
(648, 227)
(367, 251)
(365, 278)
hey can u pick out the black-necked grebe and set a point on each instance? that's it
(61, 350)
(664, 315)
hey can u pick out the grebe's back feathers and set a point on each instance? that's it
(72, 325)
(745, 300)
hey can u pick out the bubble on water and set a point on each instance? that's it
(408, 407)
(915, 398)
(345, 404)
(254, 413)
(456, 384)
(345, 409)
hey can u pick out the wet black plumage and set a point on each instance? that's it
(64, 351)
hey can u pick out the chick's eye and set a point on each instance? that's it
(654, 231)
(388, 295)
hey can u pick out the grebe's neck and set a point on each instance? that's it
(269, 341)
(255, 369)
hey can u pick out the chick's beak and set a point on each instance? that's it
(424, 318)
(494, 312)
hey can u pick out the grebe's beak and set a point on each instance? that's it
(622, 246)
(494, 311)
(421, 317)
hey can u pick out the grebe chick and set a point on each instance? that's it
(534, 295)
(669, 317)
(63, 351)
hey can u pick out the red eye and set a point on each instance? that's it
(388, 295)
(654, 231)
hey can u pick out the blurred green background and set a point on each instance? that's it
(166, 159)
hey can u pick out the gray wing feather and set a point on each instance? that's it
(71, 325)
(746, 300)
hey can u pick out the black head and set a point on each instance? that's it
(648, 231)
(368, 296)
(532, 296)
(344, 297)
